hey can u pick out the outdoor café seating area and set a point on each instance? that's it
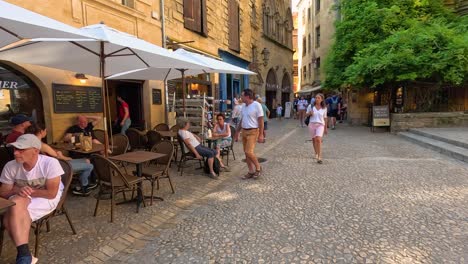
(139, 184)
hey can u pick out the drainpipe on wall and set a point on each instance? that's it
(163, 35)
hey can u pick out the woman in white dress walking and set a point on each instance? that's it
(317, 127)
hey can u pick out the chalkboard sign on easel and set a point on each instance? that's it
(157, 97)
(76, 99)
(380, 116)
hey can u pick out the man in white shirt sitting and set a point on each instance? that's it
(193, 143)
(32, 181)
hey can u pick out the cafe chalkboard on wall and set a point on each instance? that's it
(76, 99)
(157, 97)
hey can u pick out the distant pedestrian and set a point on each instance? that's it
(279, 112)
(333, 105)
(252, 132)
(236, 112)
(266, 116)
(295, 107)
(317, 124)
(124, 115)
(301, 108)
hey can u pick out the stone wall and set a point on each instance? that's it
(402, 122)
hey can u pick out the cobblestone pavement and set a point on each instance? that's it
(376, 199)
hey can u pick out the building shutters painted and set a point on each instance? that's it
(234, 29)
(195, 16)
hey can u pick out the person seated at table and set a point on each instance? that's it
(222, 131)
(33, 182)
(83, 126)
(81, 166)
(20, 122)
(193, 143)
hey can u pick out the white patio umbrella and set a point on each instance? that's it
(111, 53)
(19, 24)
(210, 65)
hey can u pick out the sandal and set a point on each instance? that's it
(248, 175)
(319, 161)
(257, 173)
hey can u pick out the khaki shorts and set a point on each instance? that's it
(249, 139)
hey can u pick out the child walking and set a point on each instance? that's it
(279, 111)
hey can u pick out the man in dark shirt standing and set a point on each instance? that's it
(20, 124)
(83, 126)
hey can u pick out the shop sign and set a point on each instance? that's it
(380, 115)
(8, 85)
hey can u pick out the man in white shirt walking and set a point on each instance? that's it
(252, 132)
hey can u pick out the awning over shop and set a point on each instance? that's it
(308, 89)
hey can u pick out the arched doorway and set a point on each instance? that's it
(285, 89)
(270, 92)
(18, 95)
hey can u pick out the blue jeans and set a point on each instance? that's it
(81, 165)
(125, 126)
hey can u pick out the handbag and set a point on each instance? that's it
(307, 120)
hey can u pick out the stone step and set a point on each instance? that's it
(440, 138)
(445, 148)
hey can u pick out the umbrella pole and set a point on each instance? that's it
(104, 96)
(183, 89)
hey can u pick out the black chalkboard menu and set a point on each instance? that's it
(157, 96)
(76, 99)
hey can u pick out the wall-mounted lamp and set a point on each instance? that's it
(80, 76)
(266, 56)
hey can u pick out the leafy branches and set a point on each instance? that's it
(381, 42)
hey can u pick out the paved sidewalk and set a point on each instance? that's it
(376, 199)
(452, 133)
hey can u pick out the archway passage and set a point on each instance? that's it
(18, 95)
(285, 90)
(270, 92)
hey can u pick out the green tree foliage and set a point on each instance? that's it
(384, 41)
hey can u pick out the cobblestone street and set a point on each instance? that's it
(376, 199)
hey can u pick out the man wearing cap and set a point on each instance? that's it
(33, 182)
(20, 123)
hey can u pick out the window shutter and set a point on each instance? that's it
(234, 41)
(203, 18)
(192, 15)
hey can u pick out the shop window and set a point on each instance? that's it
(317, 6)
(18, 95)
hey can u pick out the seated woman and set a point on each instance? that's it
(193, 143)
(82, 166)
(222, 131)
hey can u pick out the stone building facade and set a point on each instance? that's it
(272, 51)
(316, 20)
(229, 30)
